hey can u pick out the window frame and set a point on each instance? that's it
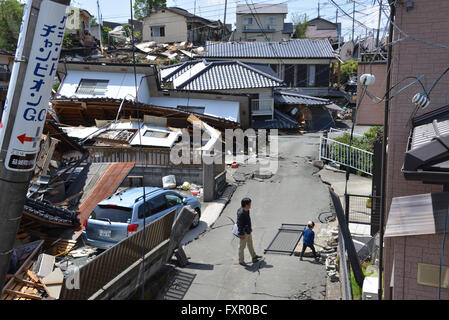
(82, 86)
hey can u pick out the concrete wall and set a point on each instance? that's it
(240, 35)
(153, 175)
(175, 26)
(427, 20)
(120, 84)
(371, 112)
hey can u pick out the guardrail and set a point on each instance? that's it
(111, 263)
(346, 155)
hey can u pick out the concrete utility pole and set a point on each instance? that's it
(353, 18)
(224, 21)
(100, 32)
(36, 60)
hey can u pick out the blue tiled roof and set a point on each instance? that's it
(290, 49)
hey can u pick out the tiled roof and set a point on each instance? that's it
(290, 49)
(280, 121)
(220, 75)
(285, 96)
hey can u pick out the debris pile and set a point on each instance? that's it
(147, 52)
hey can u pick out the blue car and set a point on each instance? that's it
(121, 215)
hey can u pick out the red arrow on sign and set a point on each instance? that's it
(23, 138)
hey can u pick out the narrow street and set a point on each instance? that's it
(294, 195)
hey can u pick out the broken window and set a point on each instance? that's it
(92, 87)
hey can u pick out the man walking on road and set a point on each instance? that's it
(308, 239)
(245, 230)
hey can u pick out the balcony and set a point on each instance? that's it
(262, 107)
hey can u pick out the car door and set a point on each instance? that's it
(154, 208)
(174, 201)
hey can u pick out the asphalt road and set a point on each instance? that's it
(294, 195)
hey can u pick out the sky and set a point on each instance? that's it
(367, 11)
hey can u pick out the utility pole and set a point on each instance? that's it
(383, 183)
(353, 19)
(100, 33)
(378, 24)
(224, 21)
(318, 9)
(36, 60)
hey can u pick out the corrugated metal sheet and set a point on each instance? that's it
(290, 49)
(417, 215)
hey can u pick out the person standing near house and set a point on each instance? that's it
(245, 232)
(308, 240)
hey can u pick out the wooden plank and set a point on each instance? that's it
(23, 294)
(25, 265)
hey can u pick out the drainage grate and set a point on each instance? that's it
(178, 285)
(286, 239)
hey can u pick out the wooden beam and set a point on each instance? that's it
(23, 295)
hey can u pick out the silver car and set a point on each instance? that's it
(121, 215)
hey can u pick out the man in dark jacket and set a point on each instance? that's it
(308, 240)
(245, 230)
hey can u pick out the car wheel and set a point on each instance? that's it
(196, 220)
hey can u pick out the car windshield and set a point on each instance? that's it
(112, 213)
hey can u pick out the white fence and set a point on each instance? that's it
(346, 155)
(333, 132)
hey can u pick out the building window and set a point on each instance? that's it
(192, 109)
(248, 20)
(92, 87)
(272, 20)
(158, 31)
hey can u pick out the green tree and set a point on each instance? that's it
(348, 69)
(143, 8)
(105, 34)
(300, 24)
(11, 12)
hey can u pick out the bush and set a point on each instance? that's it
(366, 142)
(348, 70)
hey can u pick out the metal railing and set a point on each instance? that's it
(343, 154)
(262, 105)
(359, 208)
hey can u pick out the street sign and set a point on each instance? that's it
(41, 64)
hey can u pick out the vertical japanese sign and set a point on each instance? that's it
(36, 87)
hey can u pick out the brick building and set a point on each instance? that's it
(371, 112)
(425, 19)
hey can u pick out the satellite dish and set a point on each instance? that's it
(347, 51)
